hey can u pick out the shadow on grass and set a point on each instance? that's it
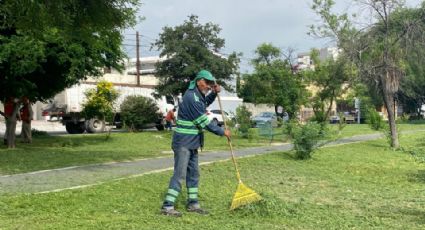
(418, 177)
(415, 214)
(289, 155)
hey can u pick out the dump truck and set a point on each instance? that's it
(66, 106)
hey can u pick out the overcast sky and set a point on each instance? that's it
(245, 23)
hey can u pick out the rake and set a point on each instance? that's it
(243, 195)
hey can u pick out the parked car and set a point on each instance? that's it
(334, 119)
(285, 116)
(347, 118)
(263, 118)
(215, 116)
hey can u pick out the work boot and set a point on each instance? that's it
(196, 208)
(170, 211)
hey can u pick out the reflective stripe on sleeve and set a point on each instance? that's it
(200, 119)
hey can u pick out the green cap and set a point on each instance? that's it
(203, 74)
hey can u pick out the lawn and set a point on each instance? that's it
(340, 188)
(62, 151)
(50, 152)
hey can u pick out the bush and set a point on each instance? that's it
(253, 134)
(374, 120)
(404, 118)
(243, 118)
(305, 138)
(38, 133)
(138, 111)
(100, 101)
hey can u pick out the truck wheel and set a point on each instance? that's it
(95, 125)
(73, 128)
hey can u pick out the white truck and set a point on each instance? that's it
(66, 106)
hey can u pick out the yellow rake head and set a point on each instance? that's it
(244, 196)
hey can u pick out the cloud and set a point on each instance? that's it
(245, 23)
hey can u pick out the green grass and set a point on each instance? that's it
(61, 151)
(48, 152)
(340, 188)
(361, 129)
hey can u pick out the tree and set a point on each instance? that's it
(412, 87)
(273, 82)
(376, 49)
(331, 78)
(47, 46)
(187, 49)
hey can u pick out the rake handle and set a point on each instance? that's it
(229, 141)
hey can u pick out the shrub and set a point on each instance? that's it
(404, 118)
(243, 118)
(253, 134)
(138, 111)
(305, 137)
(100, 101)
(374, 120)
(38, 133)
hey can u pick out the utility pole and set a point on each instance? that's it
(138, 58)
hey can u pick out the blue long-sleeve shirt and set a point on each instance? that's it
(192, 118)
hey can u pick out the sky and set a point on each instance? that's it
(245, 23)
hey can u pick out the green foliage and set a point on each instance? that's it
(273, 81)
(189, 48)
(319, 194)
(374, 120)
(243, 118)
(138, 111)
(100, 101)
(253, 134)
(38, 133)
(404, 118)
(412, 87)
(48, 46)
(331, 79)
(380, 48)
(305, 138)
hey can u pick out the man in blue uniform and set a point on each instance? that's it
(187, 138)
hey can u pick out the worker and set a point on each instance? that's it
(188, 138)
(170, 119)
(26, 117)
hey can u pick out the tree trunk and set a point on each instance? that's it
(11, 127)
(389, 105)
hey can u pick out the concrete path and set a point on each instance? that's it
(88, 175)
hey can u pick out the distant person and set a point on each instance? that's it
(170, 119)
(26, 117)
